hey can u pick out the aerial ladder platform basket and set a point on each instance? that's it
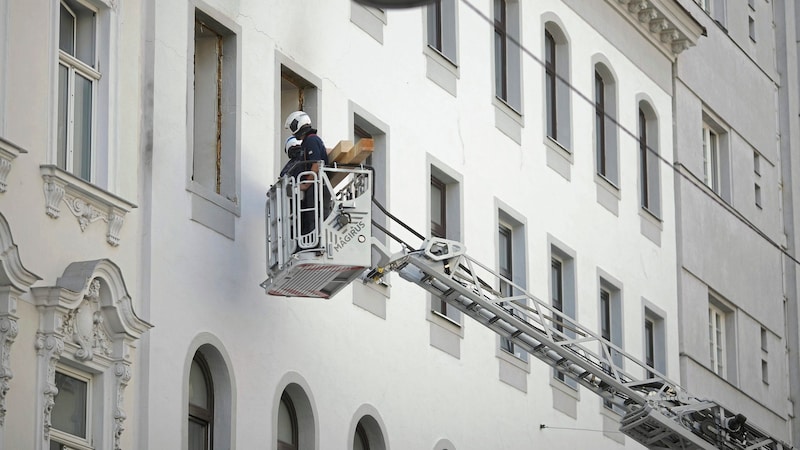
(335, 249)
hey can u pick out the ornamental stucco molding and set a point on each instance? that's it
(49, 348)
(122, 371)
(8, 332)
(8, 153)
(84, 325)
(87, 202)
(18, 281)
(665, 22)
(87, 318)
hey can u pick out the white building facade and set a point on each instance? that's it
(138, 140)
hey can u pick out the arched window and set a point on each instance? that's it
(605, 129)
(557, 89)
(201, 405)
(649, 176)
(368, 434)
(361, 441)
(287, 424)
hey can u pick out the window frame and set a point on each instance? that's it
(712, 171)
(197, 413)
(287, 400)
(717, 335)
(70, 440)
(76, 67)
(501, 55)
(551, 85)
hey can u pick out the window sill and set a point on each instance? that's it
(441, 70)
(645, 213)
(565, 388)
(650, 225)
(8, 152)
(512, 359)
(87, 202)
(448, 324)
(608, 194)
(370, 20)
(559, 158)
(508, 120)
(213, 210)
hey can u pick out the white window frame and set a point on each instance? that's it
(712, 174)
(718, 345)
(70, 440)
(74, 68)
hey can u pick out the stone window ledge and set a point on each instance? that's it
(87, 202)
(8, 152)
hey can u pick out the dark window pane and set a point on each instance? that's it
(69, 411)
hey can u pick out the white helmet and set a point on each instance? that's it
(291, 146)
(297, 121)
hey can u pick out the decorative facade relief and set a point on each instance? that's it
(8, 332)
(18, 281)
(49, 348)
(84, 325)
(87, 202)
(663, 21)
(8, 152)
(122, 372)
(88, 319)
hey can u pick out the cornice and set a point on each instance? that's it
(8, 153)
(669, 26)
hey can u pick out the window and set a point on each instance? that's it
(550, 84)
(287, 424)
(649, 345)
(557, 89)
(562, 294)
(711, 169)
(654, 341)
(649, 182)
(361, 442)
(751, 26)
(511, 267)
(445, 211)
(507, 64)
(78, 79)
(756, 163)
(215, 103)
(438, 208)
(298, 93)
(557, 286)
(500, 50)
(368, 434)
(705, 4)
(71, 425)
(717, 339)
(441, 28)
(439, 229)
(611, 322)
(201, 405)
(605, 127)
(757, 194)
(764, 356)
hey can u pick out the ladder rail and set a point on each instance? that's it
(660, 414)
